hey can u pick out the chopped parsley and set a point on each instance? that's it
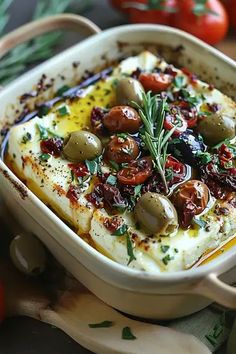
(164, 248)
(63, 111)
(25, 138)
(62, 90)
(167, 259)
(122, 135)
(178, 81)
(104, 324)
(42, 132)
(44, 157)
(121, 230)
(111, 180)
(200, 222)
(127, 334)
(43, 111)
(114, 165)
(94, 166)
(204, 157)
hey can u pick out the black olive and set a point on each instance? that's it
(186, 147)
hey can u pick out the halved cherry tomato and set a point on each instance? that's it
(137, 172)
(155, 82)
(175, 120)
(177, 166)
(211, 26)
(1, 303)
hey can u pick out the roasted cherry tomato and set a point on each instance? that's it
(137, 172)
(162, 14)
(210, 24)
(122, 149)
(1, 303)
(177, 166)
(231, 9)
(175, 120)
(155, 82)
(122, 119)
(191, 199)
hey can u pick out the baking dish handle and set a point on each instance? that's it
(47, 24)
(215, 289)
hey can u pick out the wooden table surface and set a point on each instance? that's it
(27, 336)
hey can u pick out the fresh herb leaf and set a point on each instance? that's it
(92, 166)
(111, 180)
(167, 259)
(122, 135)
(104, 324)
(25, 138)
(114, 165)
(204, 157)
(130, 250)
(200, 222)
(63, 111)
(42, 132)
(121, 230)
(156, 139)
(127, 334)
(43, 111)
(40, 48)
(178, 81)
(62, 90)
(137, 190)
(44, 157)
(176, 250)
(164, 248)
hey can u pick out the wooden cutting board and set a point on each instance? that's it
(62, 302)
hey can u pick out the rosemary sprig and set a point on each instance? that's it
(155, 137)
(40, 48)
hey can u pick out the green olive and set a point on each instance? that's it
(82, 145)
(129, 90)
(156, 214)
(28, 254)
(216, 128)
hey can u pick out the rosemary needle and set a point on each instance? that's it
(155, 137)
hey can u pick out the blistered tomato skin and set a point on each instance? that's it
(191, 199)
(155, 82)
(122, 149)
(137, 172)
(122, 119)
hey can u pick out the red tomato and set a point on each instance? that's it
(231, 9)
(137, 172)
(120, 4)
(155, 82)
(210, 27)
(1, 303)
(175, 120)
(160, 16)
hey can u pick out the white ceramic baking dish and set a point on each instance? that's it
(162, 296)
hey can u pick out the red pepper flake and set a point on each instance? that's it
(192, 77)
(52, 146)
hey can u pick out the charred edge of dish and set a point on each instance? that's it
(21, 189)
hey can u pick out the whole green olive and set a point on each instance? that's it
(129, 90)
(216, 128)
(156, 214)
(28, 254)
(82, 145)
